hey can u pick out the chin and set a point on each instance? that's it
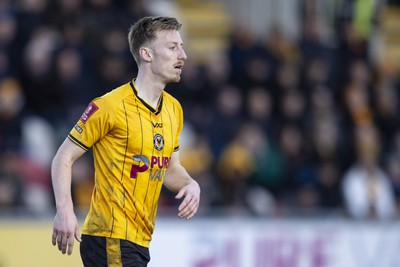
(174, 80)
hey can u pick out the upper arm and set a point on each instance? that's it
(174, 161)
(68, 152)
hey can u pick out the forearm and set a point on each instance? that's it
(176, 178)
(179, 181)
(61, 169)
(61, 180)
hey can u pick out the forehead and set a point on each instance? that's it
(172, 36)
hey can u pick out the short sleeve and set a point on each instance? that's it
(179, 118)
(95, 122)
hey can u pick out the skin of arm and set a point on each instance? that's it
(65, 226)
(177, 180)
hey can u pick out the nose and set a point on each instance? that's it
(182, 54)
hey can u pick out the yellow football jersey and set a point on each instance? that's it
(132, 144)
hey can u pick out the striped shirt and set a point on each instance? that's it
(132, 144)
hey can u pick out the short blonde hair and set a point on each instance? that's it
(145, 29)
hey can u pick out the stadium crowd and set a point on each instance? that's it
(274, 126)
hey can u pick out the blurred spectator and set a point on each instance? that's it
(281, 48)
(35, 181)
(269, 164)
(324, 121)
(243, 43)
(45, 99)
(287, 77)
(328, 186)
(299, 171)
(269, 119)
(31, 15)
(392, 164)
(8, 35)
(216, 71)
(386, 112)
(12, 102)
(65, 12)
(260, 109)
(306, 200)
(227, 118)
(293, 106)
(75, 86)
(358, 95)
(11, 193)
(235, 166)
(111, 71)
(317, 72)
(392, 167)
(366, 187)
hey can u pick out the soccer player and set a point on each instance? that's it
(134, 131)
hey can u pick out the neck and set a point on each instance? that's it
(149, 89)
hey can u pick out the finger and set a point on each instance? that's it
(64, 244)
(184, 203)
(54, 237)
(193, 213)
(70, 244)
(188, 208)
(180, 194)
(59, 240)
(189, 213)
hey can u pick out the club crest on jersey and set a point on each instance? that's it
(90, 110)
(158, 142)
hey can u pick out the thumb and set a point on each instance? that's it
(180, 194)
(78, 235)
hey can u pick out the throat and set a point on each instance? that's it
(152, 102)
(149, 92)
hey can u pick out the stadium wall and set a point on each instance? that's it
(227, 243)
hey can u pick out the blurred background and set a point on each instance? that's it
(292, 126)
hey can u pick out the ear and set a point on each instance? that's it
(145, 54)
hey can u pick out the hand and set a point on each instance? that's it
(190, 204)
(65, 228)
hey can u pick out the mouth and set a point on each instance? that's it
(179, 67)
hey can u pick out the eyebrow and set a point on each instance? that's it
(178, 43)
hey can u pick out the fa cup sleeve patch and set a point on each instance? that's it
(90, 110)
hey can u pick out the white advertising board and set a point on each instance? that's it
(275, 243)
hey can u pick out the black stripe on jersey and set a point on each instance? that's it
(170, 122)
(159, 105)
(127, 138)
(147, 189)
(73, 139)
(123, 166)
(113, 220)
(173, 108)
(155, 204)
(153, 209)
(141, 152)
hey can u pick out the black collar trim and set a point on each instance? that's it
(159, 105)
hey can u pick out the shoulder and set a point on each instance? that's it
(171, 101)
(114, 98)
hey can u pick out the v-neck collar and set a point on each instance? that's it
(160, 101)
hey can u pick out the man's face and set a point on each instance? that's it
(168, 56)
